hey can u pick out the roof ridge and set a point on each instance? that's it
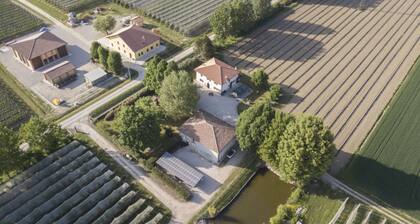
(33, 45)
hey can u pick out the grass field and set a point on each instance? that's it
(388, 164)
(15, 20)
(336, 61)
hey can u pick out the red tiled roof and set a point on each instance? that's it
(208, 130)
(136, 37)
(38, 44)
(217, 70)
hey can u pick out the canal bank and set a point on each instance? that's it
(257, 202)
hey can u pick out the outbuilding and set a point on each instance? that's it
(60, 74)
(96, 76)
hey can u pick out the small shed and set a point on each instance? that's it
(179, 169)
(60, 74)
(96, 76)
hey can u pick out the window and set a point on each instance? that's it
(157, 44)
(112, 44)
(130, 55)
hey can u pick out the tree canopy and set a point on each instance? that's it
(43, 137)
(305, 150)
(260, 79)
(9, 151)
(261, 9)
(178, 95)
(114, 63)
(104, 24)
(94, 50)
(156, 71)
(203, 47)
(103, 56)
(138, 128)
(268, 149)
(253, 124)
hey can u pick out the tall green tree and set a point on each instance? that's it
(260, 79)
(241, 19)
(104, 24)
(178, 95)
(103, 56)
(268, 150)
(43, 137)
(114, 63)
(9, 151)
(261, 9)
(305, 150)
(203, 47)
(156, 71)
(138, 128)
(94, 50)
(221, 21)
(253, 124)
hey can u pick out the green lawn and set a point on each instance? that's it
(15, 20)
(387, 166)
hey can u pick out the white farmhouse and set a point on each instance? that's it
(208, 136)
(216, 75)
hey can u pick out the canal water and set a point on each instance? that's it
(258, 201)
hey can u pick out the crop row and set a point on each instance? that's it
(187, 16)
(72, 186)
(14, 20)
(72, 5)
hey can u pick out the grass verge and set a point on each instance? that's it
(53, 11)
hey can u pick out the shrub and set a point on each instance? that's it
(275, 93)
(284, 213)
(260, 79)
(296, 196)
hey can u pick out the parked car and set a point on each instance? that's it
(43, 29)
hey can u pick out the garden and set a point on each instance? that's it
(14, 20)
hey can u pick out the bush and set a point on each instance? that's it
(296, 196)
(275, 93)
(283, 215)
(114, 101)
(260, 79)
(189, 64)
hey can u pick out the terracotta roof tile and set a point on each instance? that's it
(208, 130)
(217, 70)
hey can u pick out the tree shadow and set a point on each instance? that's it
(357, 4)
(393, 186)
(288, 95)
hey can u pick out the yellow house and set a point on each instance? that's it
(134, 41)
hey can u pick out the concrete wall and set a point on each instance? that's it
(120, 46)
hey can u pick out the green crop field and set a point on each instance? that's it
(13, 111)
(388, 165)
(15, 20)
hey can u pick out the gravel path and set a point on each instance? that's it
(342, 63)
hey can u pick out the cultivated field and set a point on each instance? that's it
(13, 111)
(73, 5)
(338, 62)
(73, 186)
(15, 20)
(388, 165)
(187, 16)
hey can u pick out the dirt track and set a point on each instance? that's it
(339, 62)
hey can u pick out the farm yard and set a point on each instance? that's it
(388, 165)
(186, 16)
(72, 185)
(13, 111)
(15, 20)
(337, 61)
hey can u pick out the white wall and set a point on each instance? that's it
(203, 81)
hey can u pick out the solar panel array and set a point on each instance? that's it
(72, 186)
(179, 169)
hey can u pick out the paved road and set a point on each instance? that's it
(187, 52)
(387, 212)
